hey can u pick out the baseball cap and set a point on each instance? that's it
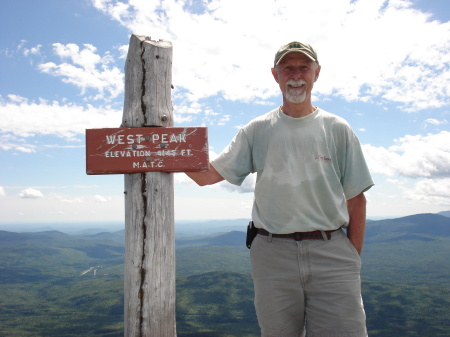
(296, 47)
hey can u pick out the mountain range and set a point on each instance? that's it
(58, 284)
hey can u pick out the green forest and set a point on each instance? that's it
(55, 284)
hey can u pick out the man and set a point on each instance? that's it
(311, 179)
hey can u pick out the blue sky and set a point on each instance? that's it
(385, 68)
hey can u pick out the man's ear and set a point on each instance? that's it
(317, 73)
(275, 75)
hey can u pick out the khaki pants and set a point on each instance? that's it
(311, 283)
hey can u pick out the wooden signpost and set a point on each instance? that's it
(146, 148)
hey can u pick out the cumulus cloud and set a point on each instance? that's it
(434, 121)
(36, 50)
(15, 143)
(357, 42)
(231, 59)
(31, 193)
(22, 117)
(2, 191)
(101, 199)
(66, 198)
(86, 69)
(21, 49)
(412, 156)
(248, 185)
(432, 192)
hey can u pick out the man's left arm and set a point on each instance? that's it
(357, 224)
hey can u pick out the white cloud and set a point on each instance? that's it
(412, 156)
(224, 119)
(2, 191)
(248, 185)
(31, 193)
(12, 142)
(59, 207)
(432, 192)
(87, 70)
(123, 50)
(24, 118)
(13, 52)
(66, 198)
(81, 200)
(184, 109)
(434, 121)
(357, 42)
(101, 199)
(36, 50)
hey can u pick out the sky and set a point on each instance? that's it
(385, 69)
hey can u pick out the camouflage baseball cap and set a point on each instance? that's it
(295, 47)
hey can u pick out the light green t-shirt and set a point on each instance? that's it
(306, 169)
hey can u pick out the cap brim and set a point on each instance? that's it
(295, 51)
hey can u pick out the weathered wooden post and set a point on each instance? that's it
(149, 202)
(146, 148)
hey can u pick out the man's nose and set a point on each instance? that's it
(296, 74)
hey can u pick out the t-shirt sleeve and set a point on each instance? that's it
(356, 177)
(235, 162)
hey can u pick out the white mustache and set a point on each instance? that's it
(297, 83)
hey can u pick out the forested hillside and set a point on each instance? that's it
(55, 284)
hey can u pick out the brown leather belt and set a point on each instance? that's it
(298, 236)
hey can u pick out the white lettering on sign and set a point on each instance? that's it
(142, 153)
(149, 164)
(164, 138)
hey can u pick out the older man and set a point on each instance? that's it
(311, 179)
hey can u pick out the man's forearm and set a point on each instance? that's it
(357, 224)
(206, 177)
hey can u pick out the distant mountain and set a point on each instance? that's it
(118, 236)
(233, 238)
(208, 227)
(56, 238)
(420, 226)
(409, 244)
(25, 256)
(445, 213)
(11, 238)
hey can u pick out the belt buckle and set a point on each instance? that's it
(298, 236)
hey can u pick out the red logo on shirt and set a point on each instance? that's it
(323, 158)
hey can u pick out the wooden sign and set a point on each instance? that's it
(145, 149)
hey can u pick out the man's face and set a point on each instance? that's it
(296, 74)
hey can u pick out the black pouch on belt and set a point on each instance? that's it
(252, 231)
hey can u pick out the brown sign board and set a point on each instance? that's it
(146, 149)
